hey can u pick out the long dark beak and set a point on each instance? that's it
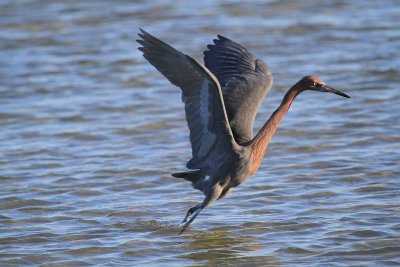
(329, 89)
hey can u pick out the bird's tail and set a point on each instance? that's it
(191, 176)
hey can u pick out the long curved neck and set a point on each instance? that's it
(261, 140)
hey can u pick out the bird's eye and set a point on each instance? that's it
(314, 84)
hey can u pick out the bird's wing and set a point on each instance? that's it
(210, 133)
(245, 81)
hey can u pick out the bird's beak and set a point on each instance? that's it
(327, 88)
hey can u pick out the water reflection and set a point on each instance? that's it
(216, 245)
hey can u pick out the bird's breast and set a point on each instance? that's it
(241, 174)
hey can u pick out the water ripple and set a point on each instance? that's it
(91, 132)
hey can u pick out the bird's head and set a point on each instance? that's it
(314, 83)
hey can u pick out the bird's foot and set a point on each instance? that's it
(182, 223)
(185, 219)
(183, 230)
(189, 214)
(187, 223)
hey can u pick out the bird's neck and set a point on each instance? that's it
(260, 141)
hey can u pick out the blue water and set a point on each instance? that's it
(90, 133)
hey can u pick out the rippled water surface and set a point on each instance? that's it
(90, 133)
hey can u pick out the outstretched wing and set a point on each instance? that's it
(245, 81)
(204, 107)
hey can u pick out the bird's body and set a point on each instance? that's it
(221, 101)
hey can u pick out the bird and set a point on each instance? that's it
(221, 99)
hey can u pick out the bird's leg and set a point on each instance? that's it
(212, 195)
(186, 225)
(190, 212)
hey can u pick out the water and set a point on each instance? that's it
(90, 133)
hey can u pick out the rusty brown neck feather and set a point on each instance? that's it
(260, 142)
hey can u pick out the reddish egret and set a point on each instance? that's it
(221, 100)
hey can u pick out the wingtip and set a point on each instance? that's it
(143, 33)
(142, 43)
(222, 38)
(144, 36)
(209, 47)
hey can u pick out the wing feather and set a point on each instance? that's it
(204, 106)
(245, 81)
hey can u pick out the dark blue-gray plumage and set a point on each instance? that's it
(245, 81)
(221, 100)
